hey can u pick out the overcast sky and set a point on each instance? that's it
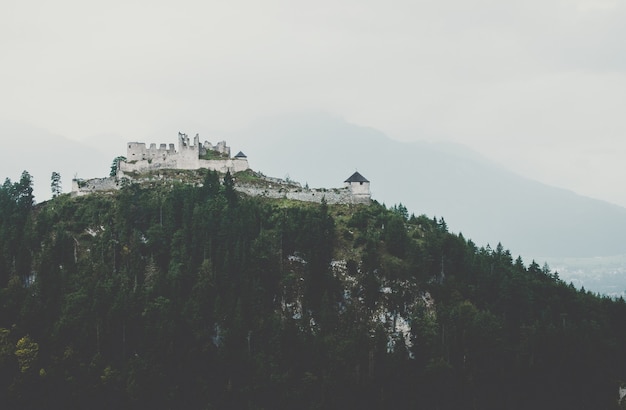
(538, 85)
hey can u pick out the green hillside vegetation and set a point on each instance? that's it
(212, 155)
(178, 296)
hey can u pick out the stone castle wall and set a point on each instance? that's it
(219, 147)
(140, 159)
(188, 154)
(145, 165)
(232, 165)
(223, 165)
(332, 196)
(137, 151)
(278, 190)
(82, 187)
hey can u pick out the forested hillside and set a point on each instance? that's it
(179, 296)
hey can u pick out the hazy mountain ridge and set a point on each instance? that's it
(475, 195)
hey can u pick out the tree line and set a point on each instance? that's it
(181, 296)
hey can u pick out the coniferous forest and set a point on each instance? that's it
(172, 296)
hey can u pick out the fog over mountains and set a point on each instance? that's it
(476, 196)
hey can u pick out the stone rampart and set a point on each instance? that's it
(136, 151)
(82, 187)
(275, 191)
(224, 165)
(332, 196)
(233, 165)
(144, 165)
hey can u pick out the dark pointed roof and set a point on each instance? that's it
(240, 155)
(356, 177)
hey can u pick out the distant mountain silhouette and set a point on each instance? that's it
(476, 196)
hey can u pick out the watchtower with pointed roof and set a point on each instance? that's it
(359, 186)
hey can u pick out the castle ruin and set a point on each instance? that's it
(189, 156)
(142, 163)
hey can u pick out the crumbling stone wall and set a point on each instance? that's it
(220, 148)
(332, 196)
(137, 151)
(141, 159)
(82, 187)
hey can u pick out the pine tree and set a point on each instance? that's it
(115, 165)
(55, 184)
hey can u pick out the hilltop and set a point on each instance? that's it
(151, 166)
